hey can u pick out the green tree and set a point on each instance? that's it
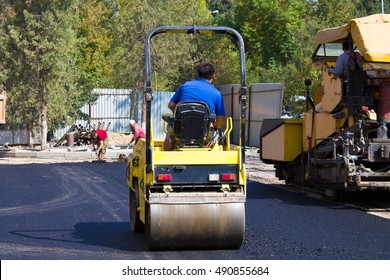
(171, 55)
(95, 31)
(370, 7)
(223, 11)
(280, 37)
(6, 12)
(52, 53)
(269, 28)
(39, 50)
(331, 13)
(274, 41)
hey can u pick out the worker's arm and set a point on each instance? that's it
(220, 121)
(131, 138)
(171, 106)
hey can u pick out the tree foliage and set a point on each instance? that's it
(39, 46)
(270, 28)
(279, 35)
(53, 53)
(95, 34)
(172, 55)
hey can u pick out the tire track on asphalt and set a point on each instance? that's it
(74, 190)
(68, 197)
(98, 189)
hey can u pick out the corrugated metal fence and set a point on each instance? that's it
(115, 106)
(118, 106)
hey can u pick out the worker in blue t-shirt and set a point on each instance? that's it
(200, 89)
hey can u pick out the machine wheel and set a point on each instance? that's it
(136, 224)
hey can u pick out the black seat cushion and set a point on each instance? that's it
(191, 123)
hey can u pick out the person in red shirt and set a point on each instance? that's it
(137, 132)
(100, 138)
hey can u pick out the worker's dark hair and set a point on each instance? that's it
(206, 70)
(346, 45)
(93, 134)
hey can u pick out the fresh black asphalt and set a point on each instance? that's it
(80, 211)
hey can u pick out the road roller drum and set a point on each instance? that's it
(195, 221)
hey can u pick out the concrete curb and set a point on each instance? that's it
(63, 153)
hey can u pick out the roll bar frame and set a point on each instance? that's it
(202, 30)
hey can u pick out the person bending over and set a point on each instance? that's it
(100, 139)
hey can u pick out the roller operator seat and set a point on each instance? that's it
(191, 122)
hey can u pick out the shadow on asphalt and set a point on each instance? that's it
(367, 199)
(115, 235)
(257, 190)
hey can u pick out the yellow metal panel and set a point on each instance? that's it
(324, 126)
(284, 143)
(331, 91)
(272, 146)
(292, 139)
(194, 157)
(242, 178)
(317, 95)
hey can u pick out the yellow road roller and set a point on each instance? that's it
(192, 197)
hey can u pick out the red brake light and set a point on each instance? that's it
(164, 177)
(228, 177)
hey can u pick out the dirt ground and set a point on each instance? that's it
(257, 170)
